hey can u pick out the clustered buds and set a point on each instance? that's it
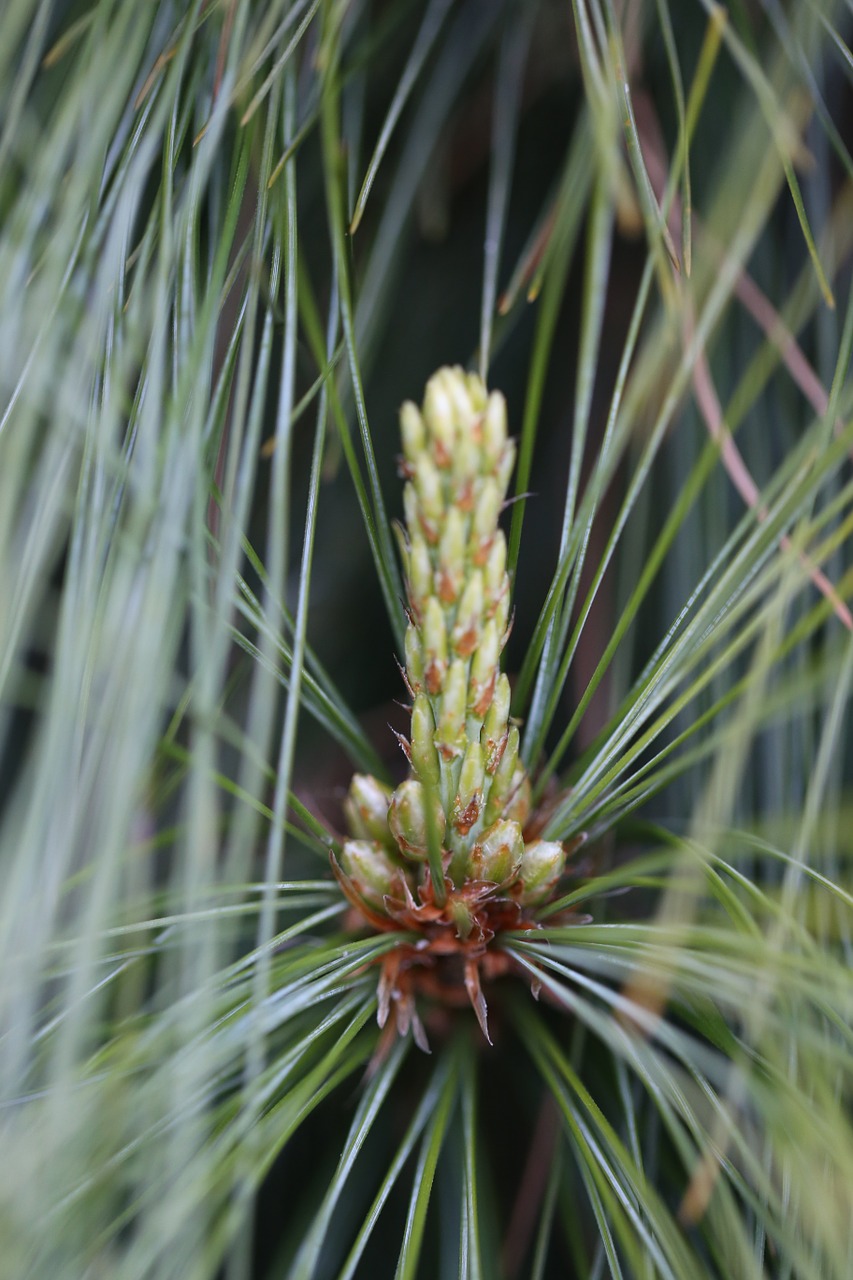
(468, 794)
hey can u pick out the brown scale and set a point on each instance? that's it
(484, 696)
(465, 496)
(446, 590)
(451, 958)
(464, 821)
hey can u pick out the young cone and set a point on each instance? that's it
(448, 854)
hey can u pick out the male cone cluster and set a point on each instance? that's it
(468, 790)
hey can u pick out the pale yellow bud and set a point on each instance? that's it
(427, 484)
(456, 387)
(458, 459)
(494, 429)
(438, 409)
(412, 432)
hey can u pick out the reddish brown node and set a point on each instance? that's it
(442, 454)
(433, 677)
(481, 551)
(430, 530)
(446, 587)
(451, 954)
(441, 964)
(467, 642)
(484, 697)
(494, 752)
(464, 821)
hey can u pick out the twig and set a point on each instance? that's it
(530, 1191)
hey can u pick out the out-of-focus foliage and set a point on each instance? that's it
(233, 238)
